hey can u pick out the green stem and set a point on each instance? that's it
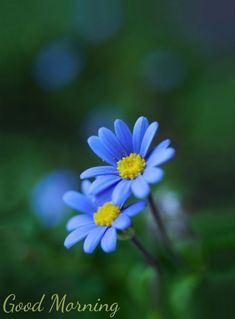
(164, 237)
(149, 258)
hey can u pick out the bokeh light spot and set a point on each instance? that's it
(57, 65)
(97, 21)
(163, 70)
(46, 197)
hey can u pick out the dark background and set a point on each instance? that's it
(69, 67)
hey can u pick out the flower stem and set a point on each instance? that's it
(164, 237)
(149, 258)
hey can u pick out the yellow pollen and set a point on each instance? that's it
(130, 166)
(106, 214)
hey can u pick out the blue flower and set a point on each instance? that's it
(132, 168)
(100, 221)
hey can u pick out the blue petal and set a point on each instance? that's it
(160, 155)
(148, 137)
(124, 135)
(122, 222)
(121, 192)
(111, 142)
(99, 149)
(99, 170)
(139, 130)
(134, 209)
(79, 220)
(161, 146)
(140, 187)
(93, 239)
(105, 196)
(164, 143)
(78, 235)
(102, 183)
(109, 240)
(153, 174)
(85, 185)
(79, 202)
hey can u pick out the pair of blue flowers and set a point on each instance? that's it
(131, 171)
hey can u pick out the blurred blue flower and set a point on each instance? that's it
(100, 221)
(132, 167)
(163, 70)
(57, 65)
(98, 20)
(46, 197)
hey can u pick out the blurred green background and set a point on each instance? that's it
(69, 67)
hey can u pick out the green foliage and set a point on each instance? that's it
(43, 131)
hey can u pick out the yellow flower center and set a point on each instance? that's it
(106, 214)
(131, 166)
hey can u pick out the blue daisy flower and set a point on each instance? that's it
(100, 220)
(132, 168)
